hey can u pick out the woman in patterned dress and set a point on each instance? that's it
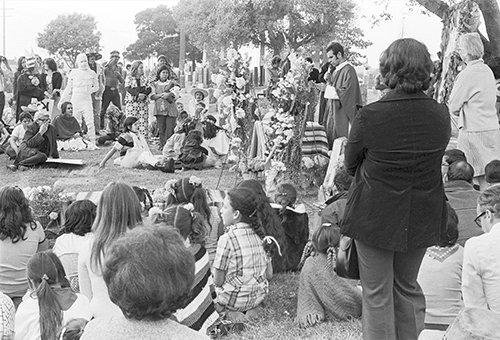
(136, 100)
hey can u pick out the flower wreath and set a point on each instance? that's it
(195, 181)
(170, 186)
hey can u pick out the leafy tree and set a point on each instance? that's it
(274, 23)
(158, 32)
(70, 34)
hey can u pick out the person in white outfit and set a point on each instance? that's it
(82, 82)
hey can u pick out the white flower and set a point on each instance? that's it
(194, 181)
(189, 207)
(170, 186)
(288, 134)
(228, 101)
(154, 211)
(240, 113)
(217, 93)
(53, 215)
(233, 158)
(308, 162)
(232, 54)
(240, 82)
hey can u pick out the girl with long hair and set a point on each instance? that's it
(117, 212)
(51, 302)
(137, 98)
(20, 238)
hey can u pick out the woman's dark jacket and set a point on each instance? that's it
(394, 151)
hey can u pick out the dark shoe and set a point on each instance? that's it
(12, 167)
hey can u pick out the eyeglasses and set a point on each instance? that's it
(477, 220)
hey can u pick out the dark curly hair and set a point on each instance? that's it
(15, 214)
(79, 218)
(407, 66)
(149, 273)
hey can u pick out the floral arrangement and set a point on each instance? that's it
(284, 124)
(236, 104)
(46, 202)
(314, 170)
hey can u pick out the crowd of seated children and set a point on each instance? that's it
(118, 211)
(20, 237)
(76, 231)
(148, 284)
(50, 303)
(322, 293)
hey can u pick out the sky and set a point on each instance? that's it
(115, 20)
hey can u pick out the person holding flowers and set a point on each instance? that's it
(136, 100)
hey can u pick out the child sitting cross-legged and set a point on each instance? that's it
(241, 266)
(322, 292)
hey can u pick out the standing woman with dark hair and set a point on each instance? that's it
(137, 98)
(396, 204)
(21, 65)
(51, 81)
(51, 303)
(20, 238)
(4, 61)
(118, 212)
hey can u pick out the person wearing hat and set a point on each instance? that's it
(112, 79)
(82, 82)
(51, 81)
(199, 95)
(96, 96)
(39, 143)
(28, 86)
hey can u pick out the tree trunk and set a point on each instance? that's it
(491, 15)
(437, 7)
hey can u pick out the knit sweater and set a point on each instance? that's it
(324, 294)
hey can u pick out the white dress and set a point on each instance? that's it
(81, 84)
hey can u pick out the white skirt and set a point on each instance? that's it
(480, 148)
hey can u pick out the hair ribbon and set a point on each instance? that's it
(270, 240)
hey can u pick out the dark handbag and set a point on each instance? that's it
(347, 265)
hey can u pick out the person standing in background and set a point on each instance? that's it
(4, 61)
(21, 65)
(96, 96)
(113, 77)
(51, 81)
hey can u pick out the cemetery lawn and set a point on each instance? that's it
(277, 318)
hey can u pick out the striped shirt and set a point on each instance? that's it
(241, 255)
(199, 312)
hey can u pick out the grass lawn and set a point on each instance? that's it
(277, 318)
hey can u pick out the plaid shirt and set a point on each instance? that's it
(241, 255)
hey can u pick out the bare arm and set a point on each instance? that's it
(219, 277)
(107, 157)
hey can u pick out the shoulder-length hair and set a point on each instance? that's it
(118, 211)
(64, 106)
(20, 67)
(15, 214)
(134, 68)
(79, 217)
(161, 69)
(51, 63)
(406, 65)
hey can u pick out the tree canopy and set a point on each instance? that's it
(70, 34)
(158, 33)
(277, 24)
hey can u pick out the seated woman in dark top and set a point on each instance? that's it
(69, 132)
(39, 143)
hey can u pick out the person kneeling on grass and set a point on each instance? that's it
(241, 266)
(321, 291)
(69, 132)
(39, 143)
(133, 148)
